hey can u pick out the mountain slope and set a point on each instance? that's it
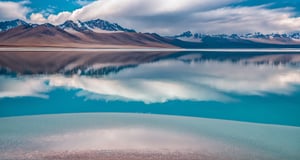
(40, 35)
(58, 36)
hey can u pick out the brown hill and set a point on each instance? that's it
(47, 35)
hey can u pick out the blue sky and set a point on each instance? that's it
(54, 6)
(165, 17)
(274, 3)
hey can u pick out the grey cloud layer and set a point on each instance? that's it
(171, 16)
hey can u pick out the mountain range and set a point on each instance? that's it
(274, 38)
(103, 34)
(90, 34)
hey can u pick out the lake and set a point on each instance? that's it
(193, 104)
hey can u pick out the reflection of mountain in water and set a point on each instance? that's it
(246, 58)
(93, 71)
(103, 63)
(70, 63)
(219, 85)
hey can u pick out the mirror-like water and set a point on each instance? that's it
(261, 88)
(255, 87)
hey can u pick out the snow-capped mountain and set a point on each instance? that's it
(105, 25)
(6, 25)
(91, 34)
(250, 40)
(98, 26)
(187, 34)
(101, 33)
(72, 25)
(198, 37)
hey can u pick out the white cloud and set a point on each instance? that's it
(173, 16)
(38, 18)
(59, 18)
(246, 19)
(13, 10)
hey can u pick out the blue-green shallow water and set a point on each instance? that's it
(274, 109)
(253, 87)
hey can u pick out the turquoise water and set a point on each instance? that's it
(252, 87)
(274, 109)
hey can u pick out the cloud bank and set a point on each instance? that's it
(169, 17)
(172, 16)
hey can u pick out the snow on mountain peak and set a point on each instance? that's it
(6, 25)
(105, 25)
(98, 26)
(189, 36)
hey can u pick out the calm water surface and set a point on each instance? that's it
(254, 87)
(153, 105)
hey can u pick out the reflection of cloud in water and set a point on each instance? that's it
(126, 138)
(171, 80)
(20, 87)
(137, 89)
